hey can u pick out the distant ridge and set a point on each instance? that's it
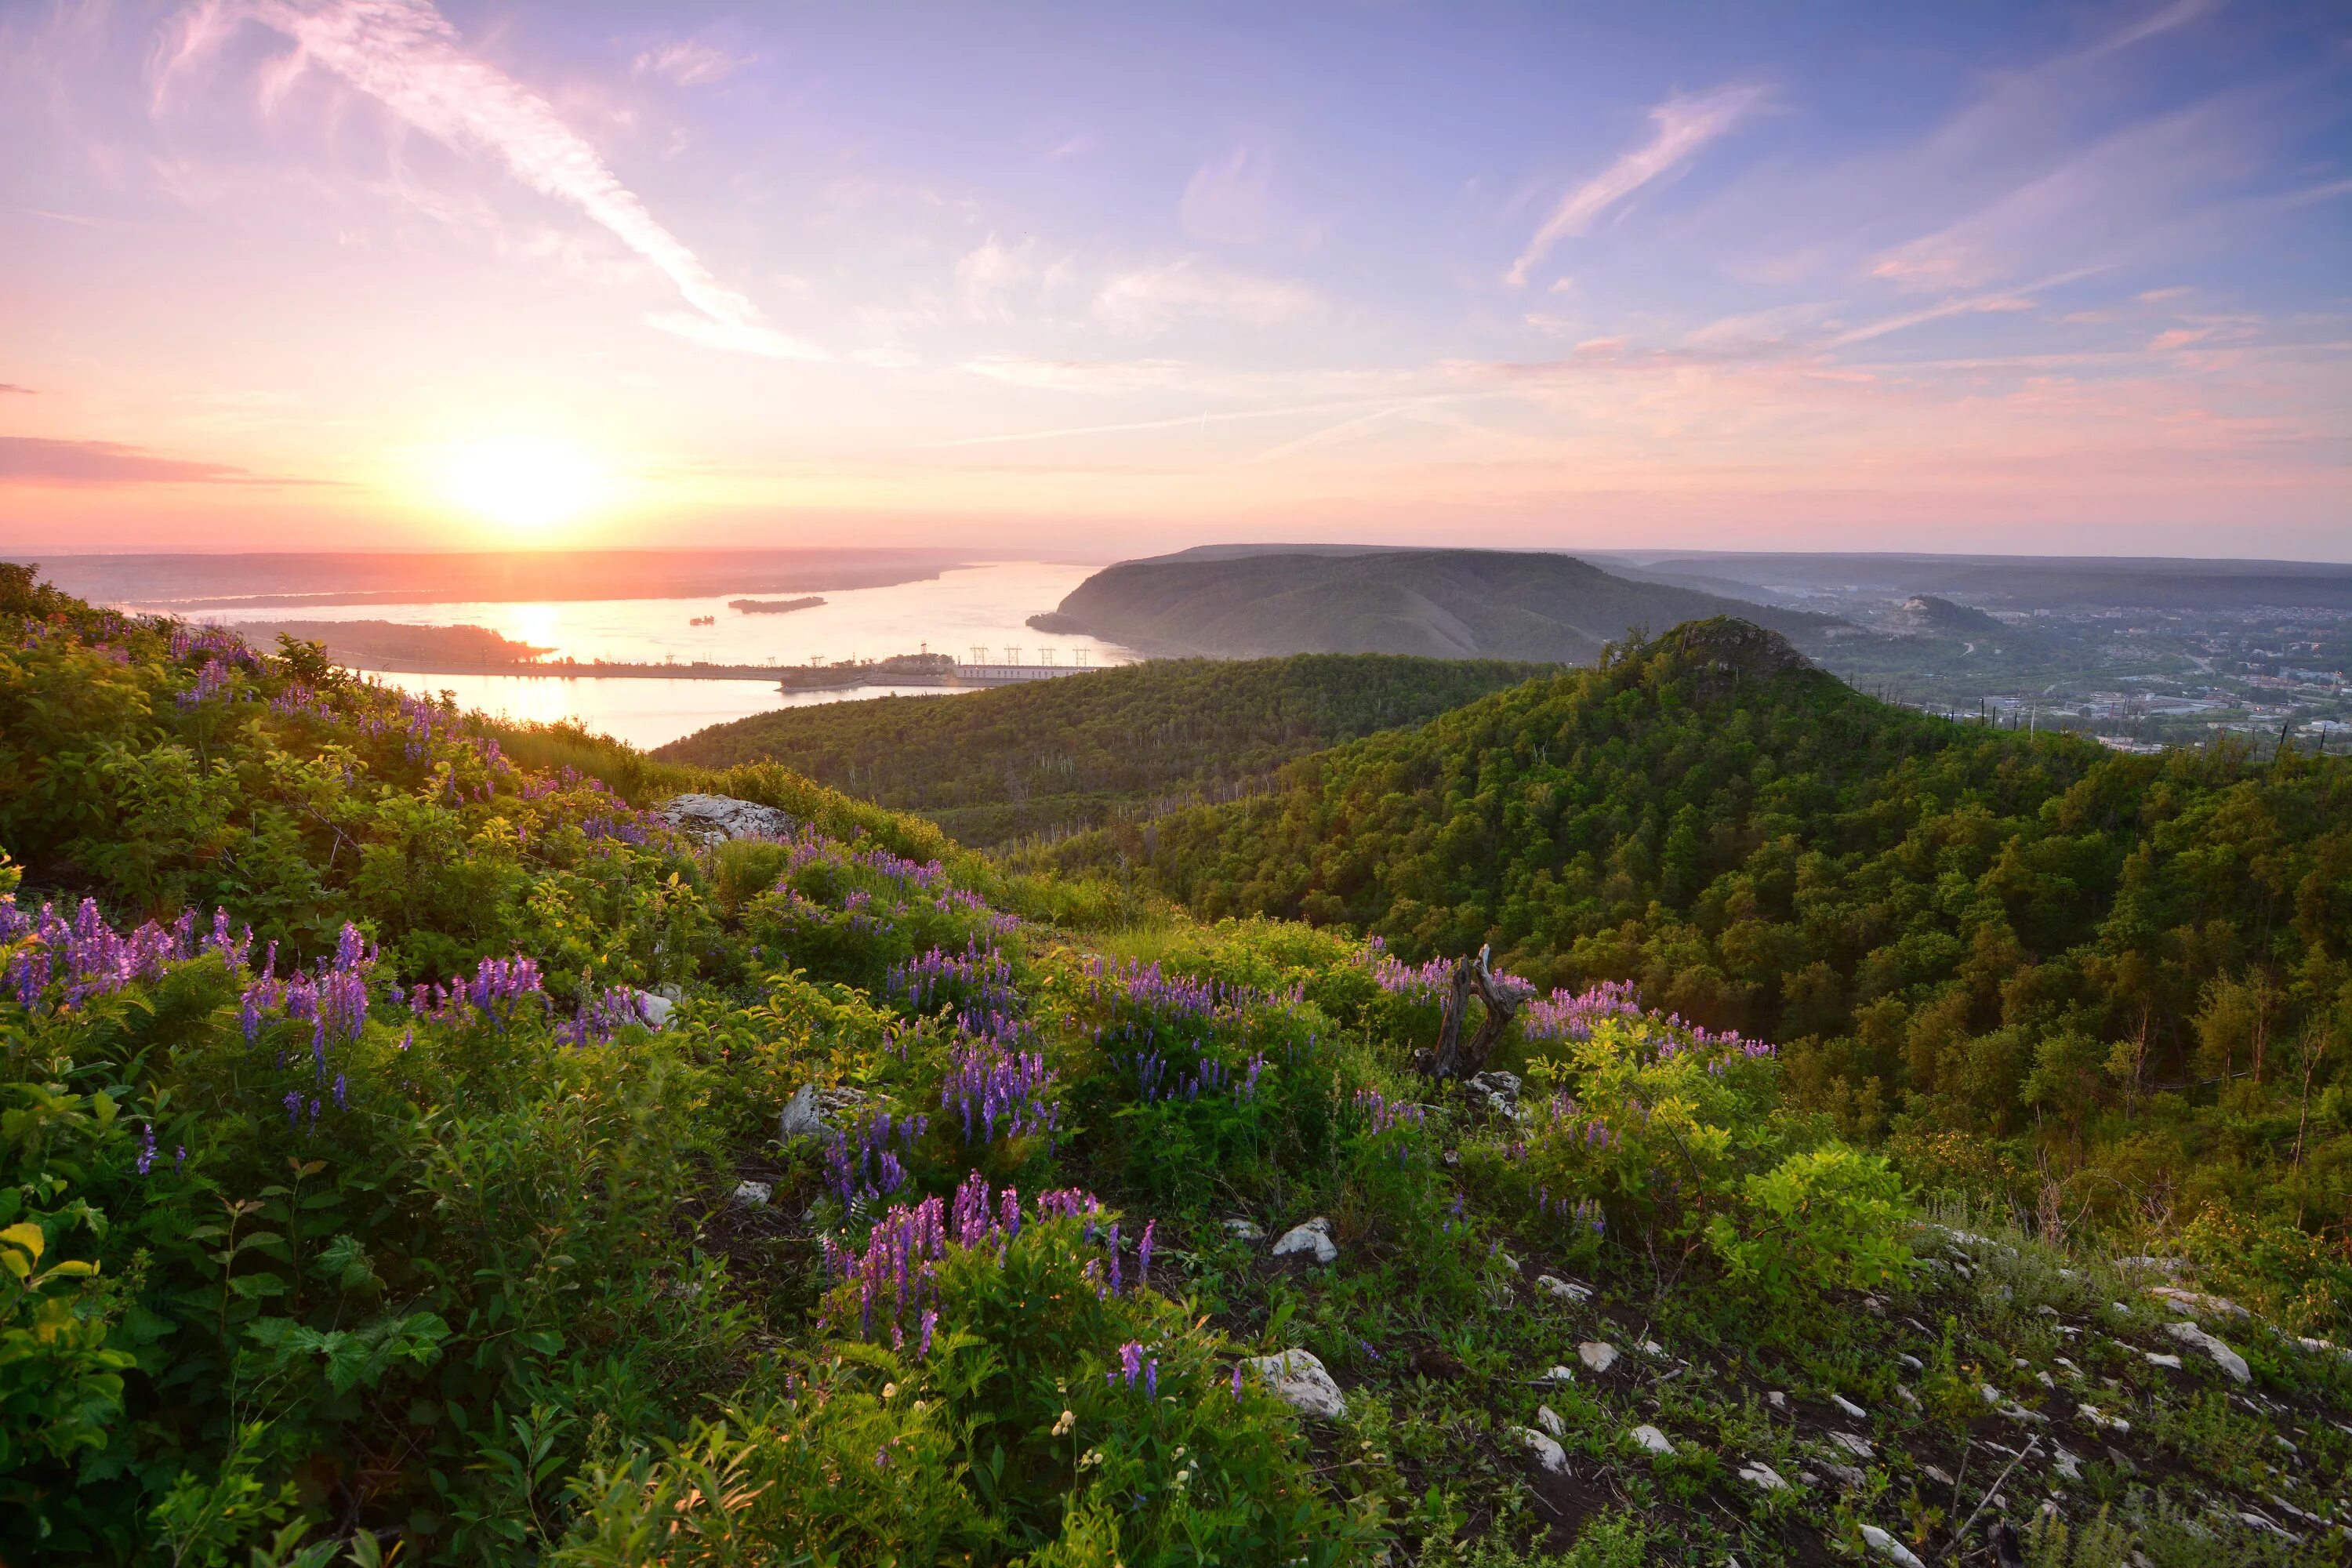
(1444, 603)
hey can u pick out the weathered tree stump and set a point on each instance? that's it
(1451, 1057)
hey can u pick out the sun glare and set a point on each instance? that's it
(523, 484)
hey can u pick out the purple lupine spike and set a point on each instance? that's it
(1143, 1255)
(147, 1152)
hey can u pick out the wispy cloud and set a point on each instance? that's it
(1234, 200)
(1684, 126)
(689, 62)
(1994, 302)
(34, 459)
(407, 56)
(1152, 299)
(20, 391)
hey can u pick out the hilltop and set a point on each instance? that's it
(1060, 755)
(438, 1142)
(1943, 926)
(1444, 603)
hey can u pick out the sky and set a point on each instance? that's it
(1099, 280)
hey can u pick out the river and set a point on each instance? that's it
(970, 608)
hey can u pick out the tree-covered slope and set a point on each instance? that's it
(414, 1150)
(1946, 926)
(1447, 603)
(1061, 754)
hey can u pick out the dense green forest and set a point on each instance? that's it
(417, 1147)
(1044, 759)
(2137, 968)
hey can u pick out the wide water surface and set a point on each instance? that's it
(975, 607)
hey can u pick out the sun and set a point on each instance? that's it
(522, 483)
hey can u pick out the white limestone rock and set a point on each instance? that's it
(1849, 1406)
(1566, 1289)
(1762, 1477)
(1599, 1356)
(1548, 1419)
(1298, 1380)
(1894, 1550)
(716, 818)
(654, 1008)
(2225, 1358)
(810, 1112)
(1495, 1092)
(1858, 1446)
(754, 1194)
(1314, 1237)
(1649, 1438)
(1244, 1230)
(1547, 1452)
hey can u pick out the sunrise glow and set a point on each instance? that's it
(522, 485)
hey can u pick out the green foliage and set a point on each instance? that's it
(410, 1236)
(1054, 756)
(1826, 1218)
(2113, 969)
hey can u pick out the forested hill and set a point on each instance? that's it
(1450, 603)
(431, 1142)
(1981, 929)
(1074, 753)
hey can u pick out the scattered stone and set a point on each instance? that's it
(2164, 1266)
(1597, 1355)
(1651, 1438)
(1937, 1474)
(1652, 1347)
(1913, 1362)
(1244, 1230)
(1558, 1374)
(2046, 1381)
(1313, 1237)
(2323, 1347)
(1497, 1092)
(2072, 1371)
(1844, 1474)
(1566, 1289)
(653, 1008)
(1299, 1380)
(754, 1194)
(1777, 1400)
(2067, 1465)
(1886, 1546)
(809, 1110)
(2091, 1416)
(1849, 1406)
(1548, 1419)
(2159, 1358)
(1762, 1477)
(1858, 1446)
(1548, 1453)
(2228, 1360)
(1906, 1396)
(716, 818)
(2191, 1302)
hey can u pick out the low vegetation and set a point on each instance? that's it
(415, 1148)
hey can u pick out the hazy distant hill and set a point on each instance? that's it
(998, 765)
(1445, 603)
(2023, 582)
(1925, 615)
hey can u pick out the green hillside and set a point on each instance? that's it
(1056, 756)
(1443, 604)
(415, 1147)
(1948, 929)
